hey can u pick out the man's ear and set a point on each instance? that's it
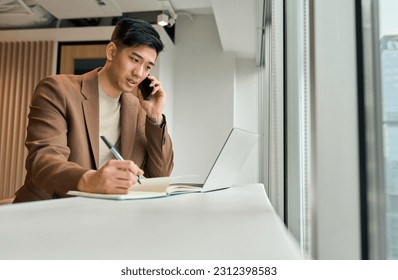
(110, 51)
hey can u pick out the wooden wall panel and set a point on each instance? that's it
(22, 65)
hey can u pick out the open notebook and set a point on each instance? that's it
(223, 173)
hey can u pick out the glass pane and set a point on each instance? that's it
(388, 24)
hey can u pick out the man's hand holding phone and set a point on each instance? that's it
(152, 99)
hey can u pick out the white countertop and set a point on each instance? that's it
(236, 223)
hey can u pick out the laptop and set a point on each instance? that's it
(230, 160)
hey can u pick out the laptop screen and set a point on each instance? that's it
(230, 160)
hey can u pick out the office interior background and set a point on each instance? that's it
(316, 79)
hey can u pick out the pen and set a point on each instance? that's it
(115, 152)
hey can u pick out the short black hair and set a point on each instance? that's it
(131, 32)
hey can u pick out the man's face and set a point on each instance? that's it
(131, 65)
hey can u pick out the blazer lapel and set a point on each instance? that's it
(91, 111)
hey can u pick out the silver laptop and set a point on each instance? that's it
(229, 161)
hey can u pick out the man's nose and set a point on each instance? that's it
(138, 71)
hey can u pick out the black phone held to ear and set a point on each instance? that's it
(145, 89)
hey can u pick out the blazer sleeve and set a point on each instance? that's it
(145, 143)
(159, 150)
(49, 173)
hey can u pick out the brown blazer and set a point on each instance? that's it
(63, 136)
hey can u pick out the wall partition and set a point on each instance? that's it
(22, 65)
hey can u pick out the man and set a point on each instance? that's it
(69, 113)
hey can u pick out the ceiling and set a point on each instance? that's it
(236, 19)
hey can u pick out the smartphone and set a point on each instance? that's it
(145, 89)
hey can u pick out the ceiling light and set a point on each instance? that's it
(163, 19)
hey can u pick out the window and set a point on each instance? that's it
(380, 44)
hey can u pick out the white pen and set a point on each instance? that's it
(115, 152)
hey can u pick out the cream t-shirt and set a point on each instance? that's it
(109, 125)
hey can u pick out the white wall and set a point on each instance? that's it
(213, 93)
(246, 113)
(204, 96)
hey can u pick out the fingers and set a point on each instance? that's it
(156, 87)
(126, 165)
(115, 177)
(122, 175)
(155, 84)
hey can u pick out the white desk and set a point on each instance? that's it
(236, 223)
